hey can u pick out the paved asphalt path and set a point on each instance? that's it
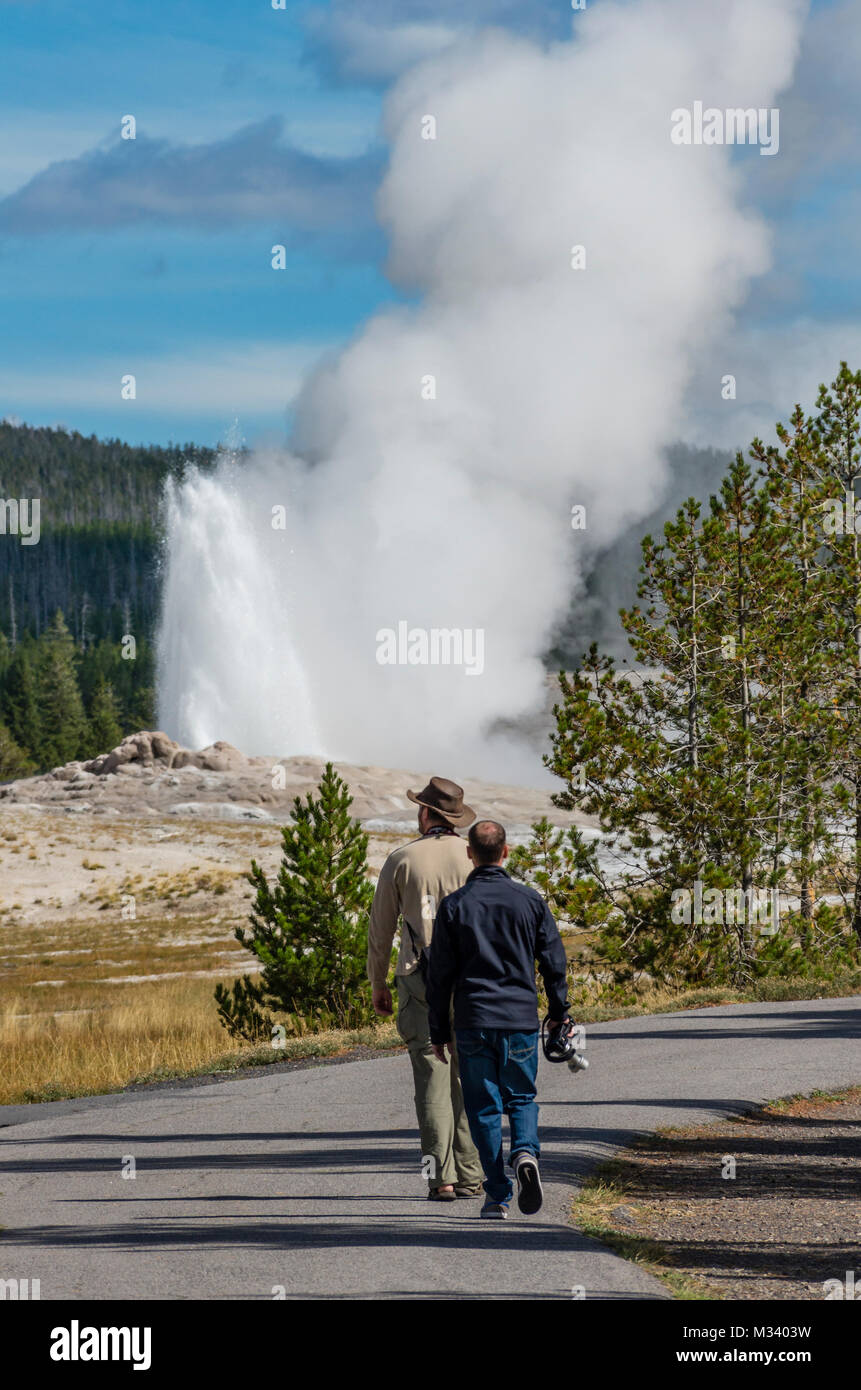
(309, 1179)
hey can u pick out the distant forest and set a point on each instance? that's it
(96, 564)
(98, 553)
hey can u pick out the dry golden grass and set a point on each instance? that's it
(171, 887)
(87, 1006)
(168, 1025)
(156, 1030)
(77, 959)
(93, 1005)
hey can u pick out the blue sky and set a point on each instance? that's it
(258, 126)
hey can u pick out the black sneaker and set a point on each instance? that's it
(529, 1191)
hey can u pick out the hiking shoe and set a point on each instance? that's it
(529, 1191)
(462, 1189)
(495, 1211)
(435, 1195)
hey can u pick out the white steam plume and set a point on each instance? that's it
(554, 386)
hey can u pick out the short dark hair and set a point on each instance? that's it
(487, 841)
(435, 817)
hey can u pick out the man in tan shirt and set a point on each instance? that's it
(413, 882)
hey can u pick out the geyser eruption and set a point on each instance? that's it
(436, 460)
(240, 601)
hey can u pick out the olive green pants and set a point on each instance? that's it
(448, 1153)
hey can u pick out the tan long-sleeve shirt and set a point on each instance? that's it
(412, 884)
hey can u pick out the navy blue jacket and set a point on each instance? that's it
(487, 937)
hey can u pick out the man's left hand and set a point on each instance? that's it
(438, 1050)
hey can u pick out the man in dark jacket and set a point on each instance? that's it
(486, 939)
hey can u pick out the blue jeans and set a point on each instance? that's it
(497, 1073)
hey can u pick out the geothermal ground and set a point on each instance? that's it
(177, 829)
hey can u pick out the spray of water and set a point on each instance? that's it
(446, 504)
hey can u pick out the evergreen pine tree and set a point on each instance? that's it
(839, 424)
(798, 661)
(308, 929)
(642, 742)
(562, 865)
(104, 724)
(738, 553)
(730, 752)
(13, 760)
(19, 706)
(61, 708)
(686, 759)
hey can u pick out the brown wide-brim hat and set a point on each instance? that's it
(446, 798)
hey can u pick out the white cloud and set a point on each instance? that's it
(363, 50)
(374, 41)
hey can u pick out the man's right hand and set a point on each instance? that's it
(382, 1000)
